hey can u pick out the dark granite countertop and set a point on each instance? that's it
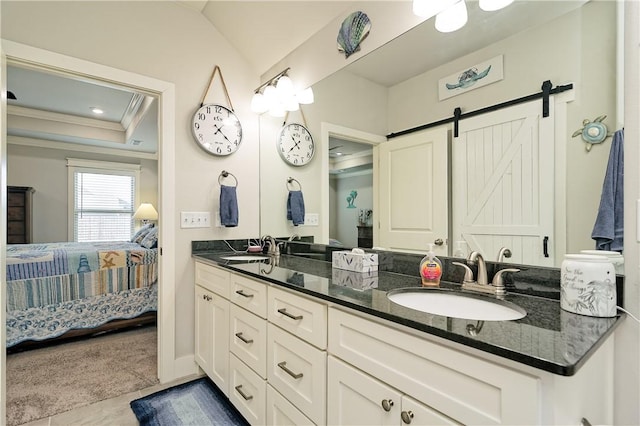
(547, 338)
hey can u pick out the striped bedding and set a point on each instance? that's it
(45, 278)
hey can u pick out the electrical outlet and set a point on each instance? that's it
(195, 220)
(312, 219)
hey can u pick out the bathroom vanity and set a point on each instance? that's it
(290, 343)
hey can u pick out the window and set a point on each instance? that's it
(102, 200)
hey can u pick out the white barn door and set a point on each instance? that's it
(413, 192)
(503, 183)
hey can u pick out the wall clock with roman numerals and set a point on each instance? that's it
(217, 129)
(295, 144)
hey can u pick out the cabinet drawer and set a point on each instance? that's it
(213, 279)
(250, 294)
(282, 412)
(298, 315)
(298, 371)
(247, 392)
(463, 387)
(249, 339)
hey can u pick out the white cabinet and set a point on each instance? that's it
(355, 398)
(298, 371)
(212, 336)
(249, 339)
(281, 412)
(465, 388)
(247, 391)
(299, 315)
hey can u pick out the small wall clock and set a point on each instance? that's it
(295, 144)
(217, 129)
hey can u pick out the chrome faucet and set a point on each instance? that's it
(481, 284)
(273, 247)
(294, 237)
(475, 258)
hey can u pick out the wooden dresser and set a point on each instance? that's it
(19, 205)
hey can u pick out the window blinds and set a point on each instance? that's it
(103, 206)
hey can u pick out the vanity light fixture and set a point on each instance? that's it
(451, 15)
(278, 96)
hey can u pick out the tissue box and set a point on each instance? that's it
(355, 280)
(355, 261)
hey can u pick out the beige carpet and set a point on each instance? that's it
(44, 382)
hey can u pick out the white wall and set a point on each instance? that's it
(173, 43)
(45, 170)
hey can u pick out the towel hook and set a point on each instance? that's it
(290, 181)
(225, 174)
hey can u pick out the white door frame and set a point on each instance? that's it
(165, 92)
(334, 130)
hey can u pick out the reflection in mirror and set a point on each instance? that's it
(386, 91)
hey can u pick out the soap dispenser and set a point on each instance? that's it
(430, 269)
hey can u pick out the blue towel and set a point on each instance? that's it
(609, 226)
(295, 207)
(228, 206)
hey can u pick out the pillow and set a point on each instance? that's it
(142, 232)
(151, 240)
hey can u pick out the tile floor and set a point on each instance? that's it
(110, 412)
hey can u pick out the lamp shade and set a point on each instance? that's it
(491, 5)
(146, 211)
(453, 18)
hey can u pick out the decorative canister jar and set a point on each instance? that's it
(614, 257)
(588, 285)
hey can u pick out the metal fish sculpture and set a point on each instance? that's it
(353, 30)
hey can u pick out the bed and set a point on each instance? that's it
(56, 289)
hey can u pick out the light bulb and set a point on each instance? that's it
(492, 5)
(305, 96)
(259, 103)
(453, 18)
(284, 86)
(291, 104)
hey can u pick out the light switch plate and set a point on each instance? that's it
(312, 219)
(195, 220)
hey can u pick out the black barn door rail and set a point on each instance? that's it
(547, 90)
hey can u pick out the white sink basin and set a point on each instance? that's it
(456, 305)
(245, 257)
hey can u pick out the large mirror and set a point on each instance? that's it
(396, 88)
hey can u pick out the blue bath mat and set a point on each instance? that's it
(199, 402)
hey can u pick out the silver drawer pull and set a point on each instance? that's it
(206, 297)
(244, 339)
(283, 365)
(406, 416)
(284, 312)
(243, 294)
(387, 404)
(242, 394)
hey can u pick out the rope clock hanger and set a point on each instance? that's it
(224, 175)
(215, 127)
(291, 186)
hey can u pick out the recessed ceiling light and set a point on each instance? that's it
(96, 110)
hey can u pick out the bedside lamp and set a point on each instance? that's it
(145, 213)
